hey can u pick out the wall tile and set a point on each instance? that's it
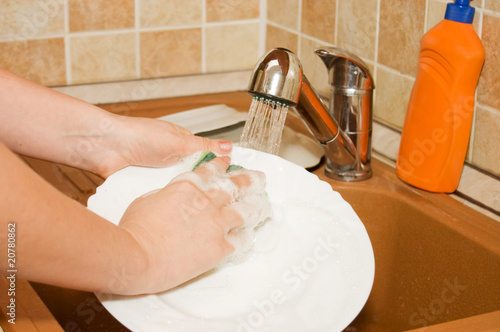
(318, 19)
(40, 60)
(474, 3)
(232, 47)
(493, 5)
(486, 150)
(103, 57)
(435, 13)
(437, 10)
(224, 10)
(314, 69)
(401, 28)
(313, 66)
(392, 94)
(157, 13)
(489, 82)
(357, 27)
(91, 15)
(284, 12)
(276, 37)
(172, 52)
(20, 20)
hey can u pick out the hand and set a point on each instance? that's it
(183, 228)
(53, 126)
(157, 143)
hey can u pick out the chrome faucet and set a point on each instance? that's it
(345, 130)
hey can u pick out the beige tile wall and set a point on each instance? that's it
(61, 42)
(64, 42)
(386, 34)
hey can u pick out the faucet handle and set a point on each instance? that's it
(345, 70)
(351, 101)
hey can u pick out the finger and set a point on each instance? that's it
(237, 184)
(213, 168)
(242, 179)
(231, 219)
(220, 147)
(248, 181)
(180, 129)
(220, 198)
(206, 175)
(225, 188)
(216, 145)
(254, 211)
(242, 240)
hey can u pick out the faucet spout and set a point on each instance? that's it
(278, 76)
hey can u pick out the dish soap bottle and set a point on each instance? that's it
(439, 116)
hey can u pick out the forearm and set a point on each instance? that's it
(59, 241)
(42, 123)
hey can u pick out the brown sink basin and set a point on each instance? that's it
(436, 260)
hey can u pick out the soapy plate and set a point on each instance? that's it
(311, 267)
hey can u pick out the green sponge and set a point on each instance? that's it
(209, 155)
(234, 168)
(205, 158)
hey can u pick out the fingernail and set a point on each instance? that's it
(226, 145)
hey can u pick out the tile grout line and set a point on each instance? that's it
(375, 56)
(426, 15)
(487, 107)
(92, 33)
(204, 36)
(299, 29)
(470, 150)
(395, 71)
(67, 46)
(299, 34)
(263, 26)
(137, 11)
(335, 37)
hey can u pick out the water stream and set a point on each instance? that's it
(264, 125)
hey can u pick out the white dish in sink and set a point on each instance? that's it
(223, 122)
(311, 267)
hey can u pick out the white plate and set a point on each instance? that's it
(206, 118)
(311, 268)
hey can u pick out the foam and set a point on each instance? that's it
(250, 202)
(255, 209)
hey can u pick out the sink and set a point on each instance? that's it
(436, 260)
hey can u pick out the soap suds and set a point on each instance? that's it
(250, 202)
(255, 208)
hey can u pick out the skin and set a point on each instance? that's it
(164, 238)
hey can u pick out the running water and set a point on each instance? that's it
(264, 125)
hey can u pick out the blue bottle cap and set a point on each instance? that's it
(460, 11)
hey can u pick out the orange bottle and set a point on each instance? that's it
(439, 116)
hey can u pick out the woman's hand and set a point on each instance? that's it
(53, 126)
(156, 143)
(183, 228)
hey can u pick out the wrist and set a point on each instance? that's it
(106, 150)
(129, 275)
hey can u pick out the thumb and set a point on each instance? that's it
(219, 147)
